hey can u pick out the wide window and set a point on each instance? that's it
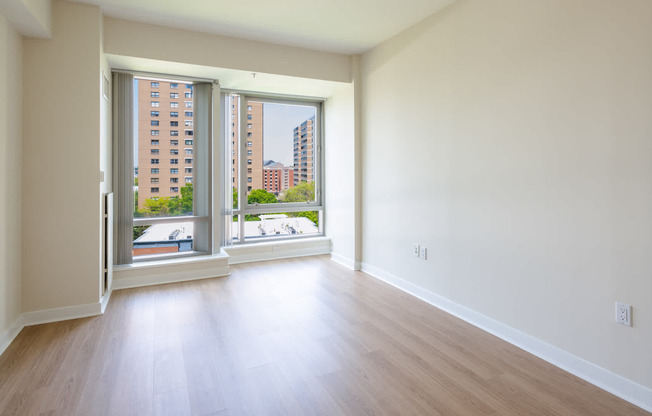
(275, 146)
(159, 222)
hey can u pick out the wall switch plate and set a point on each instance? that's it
(623, 314)
(415, 250)
(423, 253)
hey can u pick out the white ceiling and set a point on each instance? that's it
(342, 26)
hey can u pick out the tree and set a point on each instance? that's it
(303, 192)
(169, 206)
(235, 197)
(185, 204)
(261, 196)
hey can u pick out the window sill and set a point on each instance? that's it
(271, 250)
(146, 273)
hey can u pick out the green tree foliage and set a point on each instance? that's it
(138, 230)
(185, 204)
(303, 192)
(261, 196)
(166, 206)
(235, 198)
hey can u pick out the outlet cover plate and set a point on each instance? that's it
(623, 314)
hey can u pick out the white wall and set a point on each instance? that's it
(339, 184)
(135, 39)
(513, 139)
(10, 175)
(61, 163)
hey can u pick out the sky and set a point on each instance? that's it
(279, 121)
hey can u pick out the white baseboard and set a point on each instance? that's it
(170, 271)
(45, 316)
(105, 300)
(634, 393)
(8, 336)
(345, 261)
(275, 250)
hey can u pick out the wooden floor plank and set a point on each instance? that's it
(290, 337)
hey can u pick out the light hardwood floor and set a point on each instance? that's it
(293, 337)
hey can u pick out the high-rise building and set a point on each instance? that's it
(253, 143)
(304, 153)
(165, 139)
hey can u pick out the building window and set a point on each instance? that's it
(174, 86)
(174, 105)
(189, 133)
(153, 190)
(189, 86)
(174, 95)
(154, 85)
(189, 151)
(189, 142)
(174, 171)
(174, 161)
(154, 123)
(188, 95)
(153, 180)
(154, 142)
(174, 123)
(188, 161)
(285, 183)
(174, 151)
(155, 103)
(154, 113)
(174, 189)
(188, 104)
(188, 179)
(154, 132)
(153, 171)
(153, 151)
(174, 114)
(154, 161)
(154, 94)
(174, 180)
(188, 123)
(174, 142)
(188, 170)
(174, 132)
(188, 113)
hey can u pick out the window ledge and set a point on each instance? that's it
(271, 250)
(162, 271)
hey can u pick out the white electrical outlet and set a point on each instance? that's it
(423, 253)
(415, 250)
(623, 314)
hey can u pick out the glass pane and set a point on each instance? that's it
(164, 148)
(162, 238)
(281, 225)
(279, 147)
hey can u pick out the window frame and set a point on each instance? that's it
(204, 209)
(243, 208)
